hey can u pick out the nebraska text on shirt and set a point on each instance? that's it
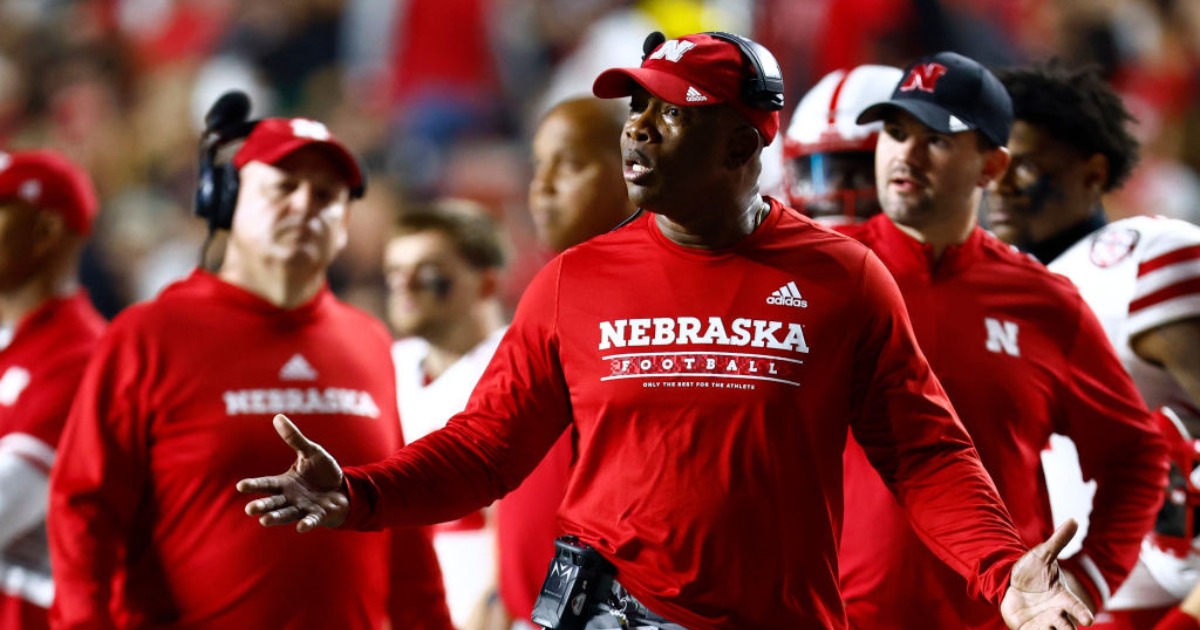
(331, 400)
(664, 331)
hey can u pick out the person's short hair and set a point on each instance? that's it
(475, 235)
(1078, 107)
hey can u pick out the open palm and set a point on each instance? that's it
(308, 494)
(1038, 597)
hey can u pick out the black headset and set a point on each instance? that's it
(217, 188)
(764, 90)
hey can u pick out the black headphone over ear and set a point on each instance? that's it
(764, 90)
(217, 189)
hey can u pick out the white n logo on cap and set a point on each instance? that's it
(305, 128)
(673, 49)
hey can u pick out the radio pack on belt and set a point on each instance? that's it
(578, 580)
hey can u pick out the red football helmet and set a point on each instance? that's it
(829, 159)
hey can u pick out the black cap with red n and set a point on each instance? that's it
(951, 93)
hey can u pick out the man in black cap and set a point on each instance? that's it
(708, 358)
(1019, 353)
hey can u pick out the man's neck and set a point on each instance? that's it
(715, 230)
(16, 304)
(446, 349)
(275, 283)
(943, 234)
(1050, 248)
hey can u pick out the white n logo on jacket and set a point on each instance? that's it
(1002, 336)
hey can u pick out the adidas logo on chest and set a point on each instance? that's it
(297, 368)
(787, 295)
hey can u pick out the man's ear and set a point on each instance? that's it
(1095, 173)
(49, 230)
(995, 164)
(342, 236)
(744, 144)
(490, 285)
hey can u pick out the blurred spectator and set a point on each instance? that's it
(48, 330)
(577, 192)
(578, 188)
(443, 266)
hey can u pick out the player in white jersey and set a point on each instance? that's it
(1141, 276)
(443, 266)
(828, 158)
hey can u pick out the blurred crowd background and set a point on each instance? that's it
(441, 96)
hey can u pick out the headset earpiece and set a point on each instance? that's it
(216, 194)
(227, 180)
(764, 90)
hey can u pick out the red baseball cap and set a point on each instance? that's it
(47, 180)
(273, 139)
(689, 71)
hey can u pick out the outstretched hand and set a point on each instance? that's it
(1038, 598)
(308, 494)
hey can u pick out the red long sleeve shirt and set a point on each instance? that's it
(40, 370)
(146, 526)
(709, 395)
(1020, 356)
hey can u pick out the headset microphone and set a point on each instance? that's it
(233, 107)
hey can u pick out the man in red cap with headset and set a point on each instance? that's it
(146, 530)
(48, 330)
(708, 358)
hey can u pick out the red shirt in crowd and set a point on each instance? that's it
(146, 526)
(1021, 356)
(709, 395)
(40, 369)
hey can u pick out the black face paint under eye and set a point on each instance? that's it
(1041, 192)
